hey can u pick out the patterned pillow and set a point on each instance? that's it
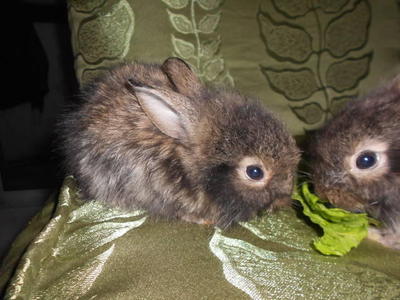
(303, 59)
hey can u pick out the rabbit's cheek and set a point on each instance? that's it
(280, 202)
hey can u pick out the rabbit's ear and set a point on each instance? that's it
(170, 112)
(181, 76)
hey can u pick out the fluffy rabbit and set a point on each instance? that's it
(153, 137)
(355, 159)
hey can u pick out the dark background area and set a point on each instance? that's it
(38, 67)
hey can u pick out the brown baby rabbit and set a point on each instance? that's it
(153, 137)
(356, 160)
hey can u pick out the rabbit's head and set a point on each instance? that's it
(355, 158)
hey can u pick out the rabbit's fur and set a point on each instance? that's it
(153, 137)
(370, 123)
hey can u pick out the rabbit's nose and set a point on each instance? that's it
(343, 199)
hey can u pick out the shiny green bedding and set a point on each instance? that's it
(83, 250)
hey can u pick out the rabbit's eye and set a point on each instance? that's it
(254, 172)
(369, 161)
(366, 160)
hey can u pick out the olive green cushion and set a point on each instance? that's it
(304, 59)
(303, 62)
(83, 250)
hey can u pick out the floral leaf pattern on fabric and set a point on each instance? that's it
(292, 8)
(102, 233)
(319, 49)
(330, 6)
(285, 41)
(309, 113)
(86, 6)
(91, 231)
(338, 102)
(84, 250)
(196, 40)
(209, 4)
(118, 32)
(295, 84)
(80, 279)
(348, 31)
(181, 23)
(297, 275)
(183, 48)
(209, 23)
(176, 4)
(338, 77)
(89, 74)
(283, 227)
(114, 21)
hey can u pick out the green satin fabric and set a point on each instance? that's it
(83, 250)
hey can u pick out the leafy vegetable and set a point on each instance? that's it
(343, 230)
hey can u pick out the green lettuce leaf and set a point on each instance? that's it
(342, 229)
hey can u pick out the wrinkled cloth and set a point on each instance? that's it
(85, 250)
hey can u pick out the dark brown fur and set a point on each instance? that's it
(373, 118)
(120, 155)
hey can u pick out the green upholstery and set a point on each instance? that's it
(87, 251)
(304, 59)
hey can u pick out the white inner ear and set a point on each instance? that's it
(163, 116)
(382, 165)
